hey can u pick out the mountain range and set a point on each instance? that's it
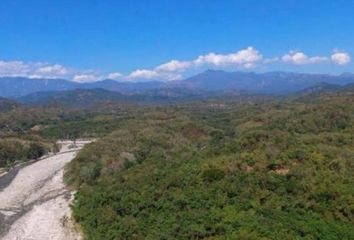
(14, 87)
(269, 83)
(211, 81)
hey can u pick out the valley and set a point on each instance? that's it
(218, 167)
(176, 120)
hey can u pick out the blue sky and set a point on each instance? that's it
(88, 40)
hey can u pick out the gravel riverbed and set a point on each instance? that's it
(35, 204)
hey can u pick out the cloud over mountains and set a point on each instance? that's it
(248, 58)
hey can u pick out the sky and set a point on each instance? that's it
(137, 40)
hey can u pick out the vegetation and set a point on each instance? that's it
(275, 169)
(250, 167)
(30, 132)
(15, 149)
(19, 134)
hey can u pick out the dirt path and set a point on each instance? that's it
(35, 204)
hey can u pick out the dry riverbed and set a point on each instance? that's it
(34, 203)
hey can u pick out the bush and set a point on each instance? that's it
(35, 151)
(213, 174)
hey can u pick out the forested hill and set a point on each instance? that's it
(275, 169)
(7, 104)
(88, 98)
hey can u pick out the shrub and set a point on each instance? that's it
(213, 174)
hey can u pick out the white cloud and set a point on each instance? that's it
(340, 58)
(244, 58)
(171, 76)
(174, 66)
(44, 70)
(86, 78)
(144, 74)
(55, 69)
(300, 58)
(32, 70)
(14, 68)
(115, 75)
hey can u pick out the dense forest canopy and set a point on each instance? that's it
(278, 169)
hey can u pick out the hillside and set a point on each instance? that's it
(269, 169)
(86, 98)
(7, 105)
(77, 97)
